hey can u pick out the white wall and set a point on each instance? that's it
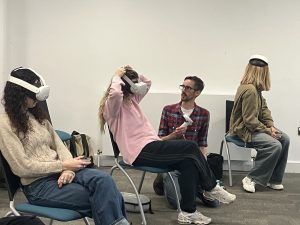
(77, 45)
(2, 44)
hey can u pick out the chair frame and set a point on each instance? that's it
(13, 185)
(226, 140)
(120, 164)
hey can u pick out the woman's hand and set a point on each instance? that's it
(75, 164)
(65, 177)
(275, 133)
(122, 70)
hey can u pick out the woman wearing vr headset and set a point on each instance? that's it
(252, 122)
(140, 145)
(35, 153)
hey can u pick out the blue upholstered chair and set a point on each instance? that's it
(64, 136)
(233, 139)
(120, 164)
(13, 185)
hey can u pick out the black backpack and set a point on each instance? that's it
(215, 162)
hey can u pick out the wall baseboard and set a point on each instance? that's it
(239, 165)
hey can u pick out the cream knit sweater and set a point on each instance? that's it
(38, 155)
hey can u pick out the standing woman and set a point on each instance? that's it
(48, 173)
(251, 121)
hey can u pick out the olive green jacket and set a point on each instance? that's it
(250, 113)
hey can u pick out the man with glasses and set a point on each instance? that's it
(173, 125)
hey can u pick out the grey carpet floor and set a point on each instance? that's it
(265, 207)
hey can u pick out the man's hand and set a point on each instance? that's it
(204, 151)
(177, 134)
(180, 132)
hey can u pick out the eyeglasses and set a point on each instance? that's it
(188, 88)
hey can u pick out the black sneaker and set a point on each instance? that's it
(209, 202)
(158, 185)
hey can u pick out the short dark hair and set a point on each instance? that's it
(199, 84)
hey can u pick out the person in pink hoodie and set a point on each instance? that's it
(140, 146)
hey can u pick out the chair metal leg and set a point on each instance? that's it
(221, 147)
(112, 169)
(13, 210)
(176, 192)
(141, 181)
(229, 163)
(135, 191)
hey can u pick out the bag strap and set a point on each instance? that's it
(86, 149)
(73, 145)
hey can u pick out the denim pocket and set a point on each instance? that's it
(34, 190)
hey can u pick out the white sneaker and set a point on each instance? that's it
(248, 185)
(275, 186)
(220, 194)
(195, 218)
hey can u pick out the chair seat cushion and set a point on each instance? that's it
(146, 168)
(53, 213)
(238, 141)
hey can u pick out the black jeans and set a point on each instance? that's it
(185, 157)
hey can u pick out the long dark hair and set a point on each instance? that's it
(14, 100)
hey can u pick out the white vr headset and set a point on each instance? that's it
(139, 88)
(41, 93)
(188, 121)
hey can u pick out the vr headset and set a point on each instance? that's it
(41, 93)
(139, 88)
(258, 60)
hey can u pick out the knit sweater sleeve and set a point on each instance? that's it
(21, 163)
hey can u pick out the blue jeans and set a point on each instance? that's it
(92, 193)
(271, 158)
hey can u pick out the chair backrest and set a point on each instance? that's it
(229, 107)
(13, 182)
(114, 145)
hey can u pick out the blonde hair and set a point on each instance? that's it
(258, 76)
(101, 110)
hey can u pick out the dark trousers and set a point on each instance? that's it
(185, 157)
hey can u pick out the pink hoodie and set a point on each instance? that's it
(131, 129)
